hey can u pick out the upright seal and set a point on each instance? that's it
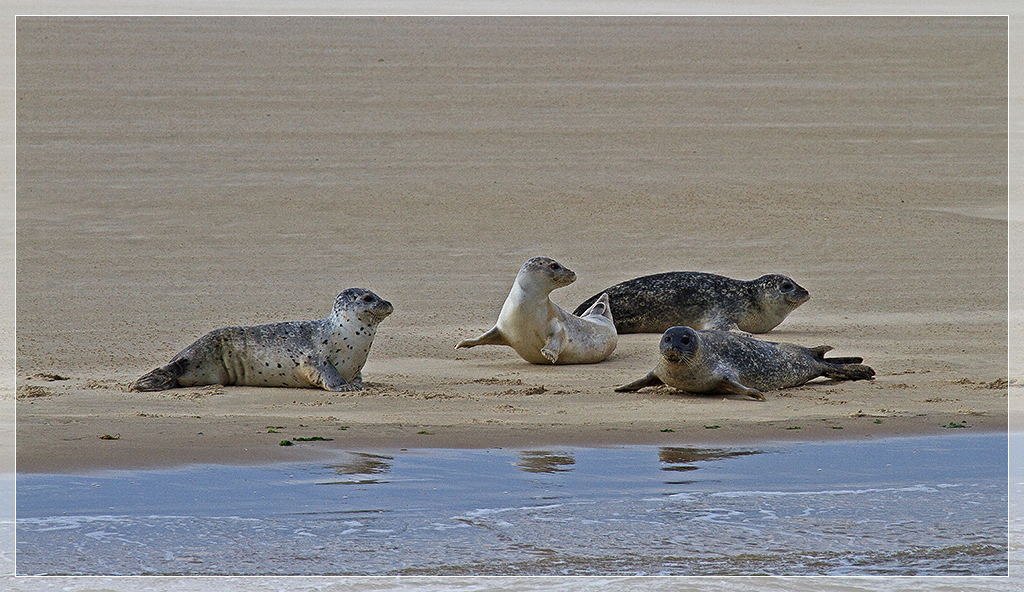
(324, 353)
(653, 303)
(720, 361)
(543, 333)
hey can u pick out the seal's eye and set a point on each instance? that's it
(786, 287)
(685, 340)
(555, 266)
(367, 298)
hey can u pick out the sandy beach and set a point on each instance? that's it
(175, 175)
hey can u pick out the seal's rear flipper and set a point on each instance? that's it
(839, 370)
(600, 307)
(581, 310)
(492, 337)
(820, 351)
(843, 368)
(161, 379)
(844, 360)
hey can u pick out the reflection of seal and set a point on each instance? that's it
(720, 361)
(326, 353)
(653, 303)
(539, 330)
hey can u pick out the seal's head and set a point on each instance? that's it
(680, 344)
(363, 305)
(783, 289)
(546, 272)
(772, 297)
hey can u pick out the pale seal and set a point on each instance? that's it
(653, 303)
(720, 361)
(539, 330)
(324, 353)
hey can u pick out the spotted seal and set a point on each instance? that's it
(324, 353)
(539, 330)
(653, 303)
(720, 361)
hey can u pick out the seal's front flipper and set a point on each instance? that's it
(161, 379)
(327, 377)
(730, 385)
(492, 337)
(649, 380)
(722, 323)
(714, 322)
(553, 348)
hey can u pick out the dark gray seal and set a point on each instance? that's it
(653, 303)
(324, 353)
(720, 361)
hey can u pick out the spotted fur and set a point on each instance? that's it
(653, 303)
(324, 353)
(720, 361)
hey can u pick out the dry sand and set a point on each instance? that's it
(181, 174)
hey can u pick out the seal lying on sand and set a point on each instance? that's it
(653, 303)
(720, 361)
(326, 353)
(543, 333)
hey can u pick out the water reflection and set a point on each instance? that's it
(671, 458)
(362, 463)
(683, 459)
(543, 461)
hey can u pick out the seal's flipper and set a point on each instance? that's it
(848, 371)
(161, 379)
(717, 322)
(851, 360)
(492, 337)
(849, 368)
(735, 329)
(327, 377)
(582, 310)
(554, 346)
(600, 307)
(844, 360)
(730, 385)
(351, 386)
(649, 380)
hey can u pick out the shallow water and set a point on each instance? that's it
(902, 506)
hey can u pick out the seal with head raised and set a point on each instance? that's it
(324, 353)
(720, 361)
(653, 303)
(539, 330)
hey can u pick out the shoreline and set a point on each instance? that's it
(773, 434)
(207, 425)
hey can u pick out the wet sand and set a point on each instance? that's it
(178, 175)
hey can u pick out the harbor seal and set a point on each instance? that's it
(720, 361)
(653, 303)
(539, 330)
(324, 353)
